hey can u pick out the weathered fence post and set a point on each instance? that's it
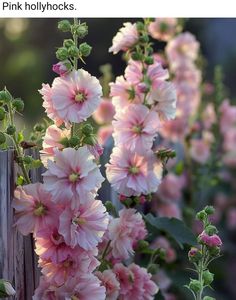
(18, 261)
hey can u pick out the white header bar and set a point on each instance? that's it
(116, 8)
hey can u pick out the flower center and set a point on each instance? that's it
(163, 27)
(80, 97)
(134, 170)
(74, 298)
(40, 210)
(137, 129)
(73, 177)
(79, 221)
(68, 263)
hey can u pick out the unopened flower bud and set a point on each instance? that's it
(6, 289)
(149, 60)
(28, 160)
(2, 138)
(74, 141)
(209, 210)
(194, 254)
(201, 215)
(73, 51)
(208, 277)
(214, 251)
(62, 53)
(211, 229)
(64, 25)
(38, 128)
(65, 142)
(144, 39)
(195, 285)
(2, 113)
(140, 26)
(152, 269)
(18, 104)
(5, 96)
(210, 240)
(85, 49)
(87, 129)
(142, 87)
(136, 56)
(68, 43)
(209, 298)
(81, 30)
(11, 129)
(62, 67)
(142, 245)
(90, 140)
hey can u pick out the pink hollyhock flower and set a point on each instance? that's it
(136, 127)
(60, 68)
(125, 232)
(230, 139)
(228, 116)
(96, 150)
(209, 116)
(124, 93)
(210, 240)
(155, 74)
(34, 208)
(135, 282)
(163, 100)
(133, 174)
(72, 176)
(104, 133)
(105, 112)
(86, 226)
(199, 151)
(83, 287)
(169, 210)
(80, 262)
(176, 183)
(175, 130)
(75, 96)
(162, 242)
(162, 280)
(163, 28)
(229, 159)
(46, 92)
(110, 282)
(126, 38)
(182, 48)
(52, 139)
(189, 73)
(45, 291)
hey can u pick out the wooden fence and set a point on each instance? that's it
(18, 262)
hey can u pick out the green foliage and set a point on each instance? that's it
(175, 228)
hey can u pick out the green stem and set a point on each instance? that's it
(201, 268)
(17, 148)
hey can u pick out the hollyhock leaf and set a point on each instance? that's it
(174, 227)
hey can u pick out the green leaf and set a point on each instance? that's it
(174, 227)
(20, 137)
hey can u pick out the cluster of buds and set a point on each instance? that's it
(201, 256)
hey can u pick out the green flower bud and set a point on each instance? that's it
(209, 210)
(201, 215)
(62, 53)
(64, 25)
(2, 138)
(142, 245)
(38, 128)
(33, 137)
(150, 50)
(110, 207)
(211, 229)
(137, 56)
(214, 251)
(68, 43)
(208, 277)
(163, 27)
(144, 39)
(73, 51)
(2, 113)
(152, 269)
(81, 30)
(149, 60)
(5, 96)
(140, 26)
(18, 104)
(11, 129)
(28, 160)
(85, 49)
(90, 140)
(87, 129)
(65, 142)
(74, 141)
(195, 285)
(208, 298)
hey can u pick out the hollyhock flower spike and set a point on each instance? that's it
(85, 226)
(72, 176)
(75, 96)
(126, 38)
(133, 174)
(136, 127)
(105, 112)
(34, 208)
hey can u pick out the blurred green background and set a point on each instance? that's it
(27, 52)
